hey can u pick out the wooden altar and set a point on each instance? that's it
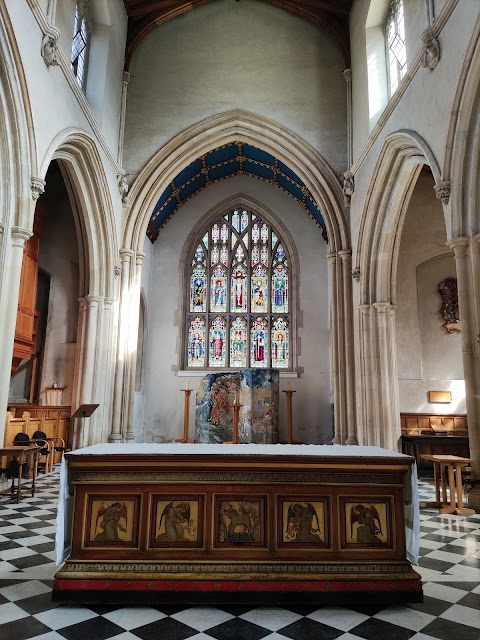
(151, 522)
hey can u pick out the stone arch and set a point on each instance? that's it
(89, 192)
(93, 208)
(325, 189)
(399, 163)
(225, 128)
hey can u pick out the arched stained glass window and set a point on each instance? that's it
(395, 42)
(239, 291)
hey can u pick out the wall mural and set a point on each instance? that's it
(450, 312)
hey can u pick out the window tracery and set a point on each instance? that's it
(81, 41)
(395, 43)
(239, 291)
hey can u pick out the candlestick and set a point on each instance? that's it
(186, 415)
(187, 386)
(289, 393)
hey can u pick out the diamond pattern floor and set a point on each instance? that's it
(449, 565)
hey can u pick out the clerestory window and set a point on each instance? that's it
(81, 41)
(395, 43)
(239, 292)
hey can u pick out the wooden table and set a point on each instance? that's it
(22, 454)
(443, 464)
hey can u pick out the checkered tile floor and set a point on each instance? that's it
(449, 565)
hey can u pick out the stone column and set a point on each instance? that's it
(51, 10)
(466, 259)
(389, 425)
(133, 341)
(88, 350)
(349, 363)
(347, 74)
(336, 359)
(123, 108)
(13, 256)
(122, 338)
(367, 422)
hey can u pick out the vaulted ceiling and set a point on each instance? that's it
(145, 15)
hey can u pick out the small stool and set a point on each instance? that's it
(443, 464)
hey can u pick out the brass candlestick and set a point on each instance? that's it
(289, 393)
(186, 416)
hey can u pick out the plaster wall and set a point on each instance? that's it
(163, 413)
(226, 55)
(59, 257)
(428, 358)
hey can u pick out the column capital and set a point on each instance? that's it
(108, 302)
(347, 74)
(126, 77)
(459, 246)
(20, 235)
(37, 187)
(126, 255)
(92, 301)
(345, 255)
(139, 257)
(364, 309)
(382, 307)
(332, 256)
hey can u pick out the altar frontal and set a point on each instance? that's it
(150, 521)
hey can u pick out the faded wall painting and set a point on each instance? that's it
(366, 523)
(241, 521)
(112, 521)
(303, 522)
(177, 522)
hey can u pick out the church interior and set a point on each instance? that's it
(251, 221)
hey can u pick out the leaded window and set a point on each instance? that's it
(81, 41)
(239, 293)
(395, 41)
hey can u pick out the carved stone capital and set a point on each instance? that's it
(348, 187)
(459, 246)
(50, 46)
(20, 236)
(356, 274)
(442, 191)
(117, 271)
(126, 77)
(430, 49)
(37, 187)
(347, 74)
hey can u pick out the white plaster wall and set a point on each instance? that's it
(163, 414)
(428, 357)
(227, 55)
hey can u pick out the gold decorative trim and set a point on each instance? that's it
(205, 569)
(237, 477)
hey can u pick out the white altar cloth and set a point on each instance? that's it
(411, 509)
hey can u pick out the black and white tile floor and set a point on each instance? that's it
(449, 565)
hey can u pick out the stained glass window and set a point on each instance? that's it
(239, 292)
(81, 41)
(395, 42)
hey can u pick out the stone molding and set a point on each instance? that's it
(442, 191)
(430, 49)
(348, 187)
(50, 46)
(37, 187)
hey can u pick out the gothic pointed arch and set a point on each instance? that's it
(90, 195)
(396, 171)
(229, 127)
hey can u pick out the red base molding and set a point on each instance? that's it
(271, 586)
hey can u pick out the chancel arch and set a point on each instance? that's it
(320, 181)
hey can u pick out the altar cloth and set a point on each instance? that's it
(411, 508)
